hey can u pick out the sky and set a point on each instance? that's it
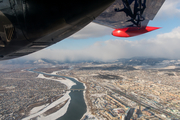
(95, 42)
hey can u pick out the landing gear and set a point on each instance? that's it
(136, 14)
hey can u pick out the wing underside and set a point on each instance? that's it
(129, 13)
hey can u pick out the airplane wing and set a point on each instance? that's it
(27, 26)
(130, 17)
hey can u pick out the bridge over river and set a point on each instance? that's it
(75, 90)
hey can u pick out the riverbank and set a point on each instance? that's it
(69, 108)
(38, 112)
(67, 82)
(39, 115)
(88, 111)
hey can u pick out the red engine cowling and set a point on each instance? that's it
(132, 31)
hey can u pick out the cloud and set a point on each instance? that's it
(170, 8)
(163, 45)
(91, 31)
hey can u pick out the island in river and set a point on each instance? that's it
(70, 106)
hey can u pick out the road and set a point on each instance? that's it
(131, 97)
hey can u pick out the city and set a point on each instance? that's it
(113, 94)
(21, 91)
(112, 91)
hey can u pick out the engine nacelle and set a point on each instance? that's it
(132, 31)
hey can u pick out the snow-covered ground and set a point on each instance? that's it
(169, 67)
(88, 112)
(67, 82)
(38, 111)
(55, 72)
(55, 115)
(98, 95)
